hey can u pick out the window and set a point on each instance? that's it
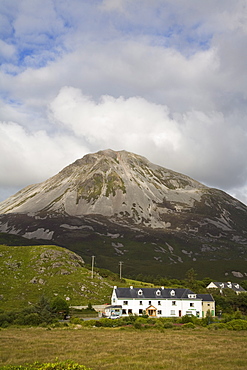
(159, 312)
(140, 302)
(114, 300)
(173, 303)
(125, 303)
(149, 302)
(140, 312)
(191, 304)
(158, 292)
(124, 312)
(159, 303)
(172, 312)
(139, 292)
(130, 311)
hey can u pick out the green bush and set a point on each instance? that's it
(91, 323)
(108, 323)
(217, 326)
(237, 324)
(188, 325)
(168, 325)
(32, 319)
(187, 318)
(4, 320)
(76, 321)
(138, 325)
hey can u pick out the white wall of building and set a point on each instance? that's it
(172, 307)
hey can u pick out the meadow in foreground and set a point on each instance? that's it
(120, 348)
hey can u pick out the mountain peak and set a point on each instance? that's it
(116, 184)
(117, 204)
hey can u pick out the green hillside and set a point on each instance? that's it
(28, 272)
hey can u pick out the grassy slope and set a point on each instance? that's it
(25, 275)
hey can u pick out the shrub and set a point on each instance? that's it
(91, 323)
(168, 325)
(60, 307)
(237, 324)
(76, 321)
(32, 319)
(4, 320)
(189, 325)
(108, 323)
(138, 325)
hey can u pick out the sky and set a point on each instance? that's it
(165, 79)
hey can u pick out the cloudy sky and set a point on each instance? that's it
(166, 79)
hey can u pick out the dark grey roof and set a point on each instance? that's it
(234, 286)
(206, 297)
(152, 293)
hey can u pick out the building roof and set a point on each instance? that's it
(206, 297)
(234, 286)
(154, 293)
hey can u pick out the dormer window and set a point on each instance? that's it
(191, 295)
(140, 292)
(158, 292)
(172, 293)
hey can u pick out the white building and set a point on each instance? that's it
(157, 302)
(229, 285)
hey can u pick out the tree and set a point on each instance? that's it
(44, 310)
(191, 280)
(60, 307)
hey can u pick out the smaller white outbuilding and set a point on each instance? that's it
(228, 285)
(157, 302)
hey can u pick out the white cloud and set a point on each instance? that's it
(165, 79)
(28, 158)
(190, 142)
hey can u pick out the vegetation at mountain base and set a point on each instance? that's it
(30, 272)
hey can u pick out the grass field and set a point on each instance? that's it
(123, 349)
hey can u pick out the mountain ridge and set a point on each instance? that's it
(107, 201)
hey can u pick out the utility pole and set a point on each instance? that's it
(120, 269)
(92, 266)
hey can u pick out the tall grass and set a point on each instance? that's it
(123, 349)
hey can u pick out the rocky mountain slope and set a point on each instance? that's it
(119, 206)
(28, 272)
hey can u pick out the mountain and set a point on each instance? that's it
(119, 206)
